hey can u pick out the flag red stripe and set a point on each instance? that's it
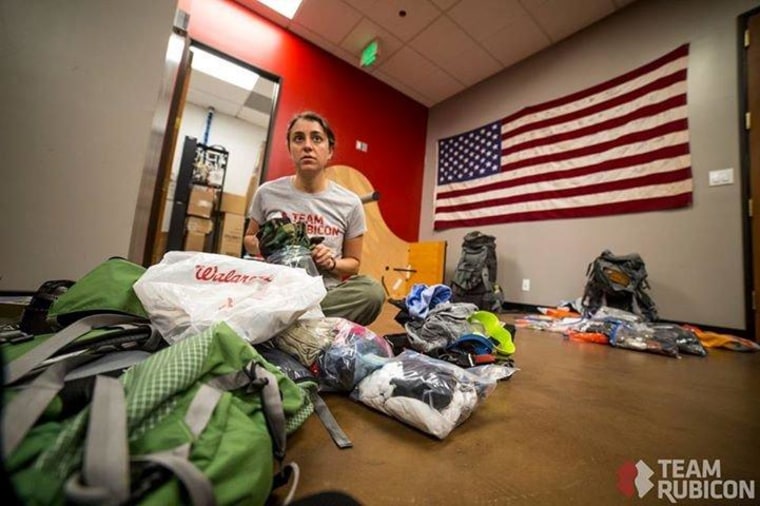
(626, 98)
(616, 163)
(622, 184)
(677, 53)
(643, 112)
(632, 206)
(634, 137)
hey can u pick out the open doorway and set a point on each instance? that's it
(220, 149)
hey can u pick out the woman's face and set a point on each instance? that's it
(308, 145)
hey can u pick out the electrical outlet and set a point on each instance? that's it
(721, 177)
(526, 285)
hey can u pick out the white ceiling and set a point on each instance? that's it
(439, 47)
(251, 106)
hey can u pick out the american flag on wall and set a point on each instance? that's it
(619, 147)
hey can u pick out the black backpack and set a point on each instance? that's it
(619, 282)
(475, 275)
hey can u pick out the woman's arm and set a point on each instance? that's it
(346, 266)
(352, 257)
(250, 241)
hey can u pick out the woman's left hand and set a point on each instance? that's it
(323, 257)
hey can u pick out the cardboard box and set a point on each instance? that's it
(199, 225)
(201, 202)
(234, 204)
(194, 241)
(230, 238)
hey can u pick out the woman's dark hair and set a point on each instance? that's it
(313, 116)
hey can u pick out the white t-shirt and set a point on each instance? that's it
(335, 214)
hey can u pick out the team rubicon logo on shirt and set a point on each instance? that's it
(315, 224)
(213, 274)
(681, 479)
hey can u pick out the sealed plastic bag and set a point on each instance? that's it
(188, 292)
(429, 394)
(642, 337)
(306, 339)
(355, 352)
(294, 256)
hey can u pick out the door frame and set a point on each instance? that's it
(750, 199)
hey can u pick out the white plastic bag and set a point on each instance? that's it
(188, 292)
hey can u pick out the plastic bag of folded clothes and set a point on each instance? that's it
(661, 338)
(642, 337)
(443, 325)
(686, 340)
(429, 394)
(306, 339)
(355, 351)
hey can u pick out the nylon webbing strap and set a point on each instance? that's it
(201, 409)
(106, 454)
(18, 368)
(22, 412)
(270, 395)
(199, 413)
(273, 411)
(105, 471)
(197, 485)
(329, 421)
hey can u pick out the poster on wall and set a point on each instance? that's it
(621, 146)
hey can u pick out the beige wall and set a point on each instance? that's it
(694, 256)
(78, 83)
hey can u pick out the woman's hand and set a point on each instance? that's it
(323, 257)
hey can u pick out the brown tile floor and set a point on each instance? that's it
(556, 433)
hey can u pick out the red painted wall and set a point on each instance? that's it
(358, 106)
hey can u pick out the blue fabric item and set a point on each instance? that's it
(481, 345)
(422, 298)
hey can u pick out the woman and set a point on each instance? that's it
(329, 211)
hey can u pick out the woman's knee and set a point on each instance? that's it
(374, 292)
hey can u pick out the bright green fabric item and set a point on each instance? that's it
(234, 451)
(106, 288)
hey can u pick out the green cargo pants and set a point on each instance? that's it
(358, 298)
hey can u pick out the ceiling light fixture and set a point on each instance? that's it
(217, 67)
(287, 8)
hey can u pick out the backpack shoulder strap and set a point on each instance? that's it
(19, 367)
(23, 410)
(105, 471)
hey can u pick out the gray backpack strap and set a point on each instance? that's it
(198, 486)
(255, 374)
(105, 473)
(273, 411)
(23, 411)
(19, 367)
(328, 420)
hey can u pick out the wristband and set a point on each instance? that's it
(335, 263)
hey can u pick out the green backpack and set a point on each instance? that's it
(100, 314)
(201, 421)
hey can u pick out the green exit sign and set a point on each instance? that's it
(369, 54)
